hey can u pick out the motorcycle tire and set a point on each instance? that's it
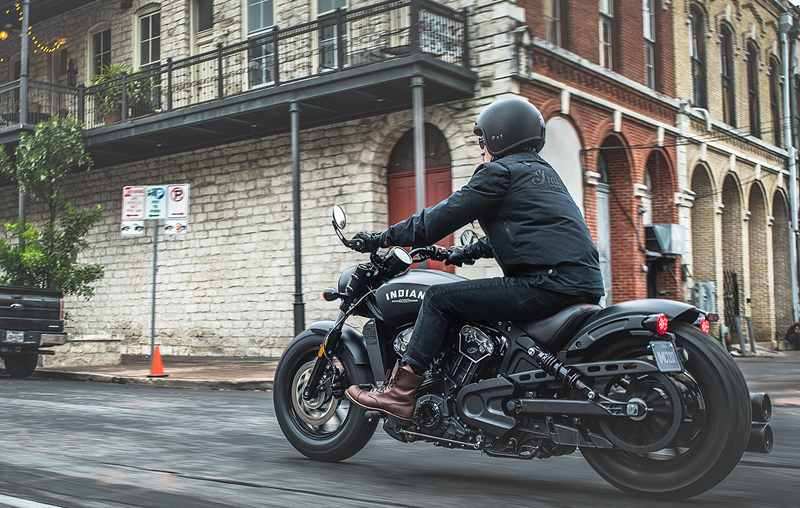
(324, 429)
(713, 424)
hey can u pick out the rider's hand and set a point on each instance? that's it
(458, 256)
(366, 241)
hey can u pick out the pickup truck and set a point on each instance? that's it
(31, 322)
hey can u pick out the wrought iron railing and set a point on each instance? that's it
(343, 40)
(45, 100)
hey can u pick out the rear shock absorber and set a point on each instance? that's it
(557, 369)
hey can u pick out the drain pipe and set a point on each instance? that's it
(786, 25)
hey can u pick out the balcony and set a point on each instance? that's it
(349, 65)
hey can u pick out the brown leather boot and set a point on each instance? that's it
(395, 396)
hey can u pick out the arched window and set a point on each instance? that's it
(752, 90)
(775, 100)
(698, 52)
(728, 97)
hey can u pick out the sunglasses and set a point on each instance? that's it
(481, 143)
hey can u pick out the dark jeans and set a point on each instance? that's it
(498, 299)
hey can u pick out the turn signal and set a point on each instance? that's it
(330, 294)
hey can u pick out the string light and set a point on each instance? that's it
(41, 47)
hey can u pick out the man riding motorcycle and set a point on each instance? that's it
(533, 229)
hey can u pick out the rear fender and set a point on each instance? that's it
(628, 316)
(352, 338)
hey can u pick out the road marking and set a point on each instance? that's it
(23, 503)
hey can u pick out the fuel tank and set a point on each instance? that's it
(399, 299)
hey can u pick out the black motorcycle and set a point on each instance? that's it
(655, 405)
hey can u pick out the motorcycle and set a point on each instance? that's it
(655, 405)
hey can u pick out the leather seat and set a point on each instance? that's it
(554, 331)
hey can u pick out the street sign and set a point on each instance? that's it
(175, 227)
(156, 202)
(133, 198)
(178, 201)
(132, 228)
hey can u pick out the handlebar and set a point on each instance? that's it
(434, 252)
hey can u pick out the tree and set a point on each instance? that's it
(48, 257)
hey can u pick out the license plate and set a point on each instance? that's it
(666, 357)
(14, 336)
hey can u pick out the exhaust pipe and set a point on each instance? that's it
(760, 438)
(762, 407)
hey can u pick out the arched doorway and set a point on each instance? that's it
(760, 294)
(732, 255)
(703, 237)
(438, 180)
(658, 195)
(781, 234)
(604, 229)
(565, 156)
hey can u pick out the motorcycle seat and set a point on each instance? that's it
(554, 331)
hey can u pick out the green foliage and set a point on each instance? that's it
(47, 257)
(138, 91)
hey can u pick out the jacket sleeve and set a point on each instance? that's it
(480, 249)
(487, 187)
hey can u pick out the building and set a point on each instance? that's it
(260, 105)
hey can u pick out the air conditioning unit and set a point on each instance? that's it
(665, 238)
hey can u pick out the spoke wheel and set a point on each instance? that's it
(323, 428)
(699, 427)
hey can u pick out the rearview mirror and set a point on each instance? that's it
(339, 217)
(468, 237)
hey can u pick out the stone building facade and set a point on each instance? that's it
(622, 131)
(732, 158)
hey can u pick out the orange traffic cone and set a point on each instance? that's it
(156, 369)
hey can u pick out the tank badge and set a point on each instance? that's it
(405, 296)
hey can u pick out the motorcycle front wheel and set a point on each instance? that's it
(697, 426)
(324, 428)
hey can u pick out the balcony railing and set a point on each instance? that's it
(45, 100)
(341, 41)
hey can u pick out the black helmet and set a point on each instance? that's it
(508, 123)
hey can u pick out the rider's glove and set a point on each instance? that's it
(458, 255)
(366, 241)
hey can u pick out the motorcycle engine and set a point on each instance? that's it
(475, 346)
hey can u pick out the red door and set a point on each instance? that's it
(403, 200)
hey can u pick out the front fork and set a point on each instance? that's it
(323, 357)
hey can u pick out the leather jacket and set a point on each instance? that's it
(533, 227)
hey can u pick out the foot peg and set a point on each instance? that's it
(370, 415)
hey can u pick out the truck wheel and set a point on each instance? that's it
(21, 365)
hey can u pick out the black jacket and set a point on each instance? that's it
(532, 225)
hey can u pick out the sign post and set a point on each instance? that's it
(154, 202)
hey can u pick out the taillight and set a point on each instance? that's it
(656, 323)
(704, 325)
(62, 312)
(662, 324)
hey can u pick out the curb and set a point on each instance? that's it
(199, 384)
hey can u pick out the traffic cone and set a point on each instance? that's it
(156, 369)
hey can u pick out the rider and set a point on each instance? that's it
(533, 229)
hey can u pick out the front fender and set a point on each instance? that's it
(352, 338)
(628, 316)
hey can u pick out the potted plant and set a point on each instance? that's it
(107, 97)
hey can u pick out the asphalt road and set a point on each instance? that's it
(78, 444)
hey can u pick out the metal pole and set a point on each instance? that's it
(299, 307)
(153, 297)
(23, 63)
(417, 101)
(786, 23)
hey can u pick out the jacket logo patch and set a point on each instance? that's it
(548, 182)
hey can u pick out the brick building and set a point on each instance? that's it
(232, 82)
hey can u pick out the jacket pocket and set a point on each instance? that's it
(509, 234)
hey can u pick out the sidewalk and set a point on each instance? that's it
(207, 373)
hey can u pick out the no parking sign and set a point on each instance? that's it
(177, 201)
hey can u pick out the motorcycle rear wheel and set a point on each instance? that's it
(714, 413)
(325, 428)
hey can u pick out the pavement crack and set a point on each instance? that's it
(229, 481)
